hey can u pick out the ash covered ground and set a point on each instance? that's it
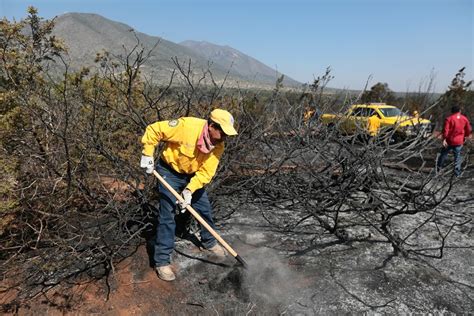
(290, 273)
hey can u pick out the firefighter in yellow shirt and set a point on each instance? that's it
(373, 125)
(308, 115)
(189, 160)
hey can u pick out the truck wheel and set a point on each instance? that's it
(397, 138)
(332, 129)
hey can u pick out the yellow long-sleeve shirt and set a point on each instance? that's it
(181, 152)
(373, 125)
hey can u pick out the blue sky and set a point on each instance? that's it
(399, 42)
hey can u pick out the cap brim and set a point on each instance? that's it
(228, 130)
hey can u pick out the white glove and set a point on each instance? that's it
(187, 197)
(147, 163)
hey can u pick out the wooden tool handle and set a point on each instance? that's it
(197, 216)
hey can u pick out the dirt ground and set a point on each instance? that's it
(288, 274)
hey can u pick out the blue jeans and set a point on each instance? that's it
(165, 234)
(457, 158)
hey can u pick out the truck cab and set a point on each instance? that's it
(356, 120)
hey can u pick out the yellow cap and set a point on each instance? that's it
(225, 121)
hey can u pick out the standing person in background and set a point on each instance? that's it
(308, 115)
(373, 125)
(456, 129)
(193, 148)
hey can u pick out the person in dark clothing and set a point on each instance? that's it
(456, 129)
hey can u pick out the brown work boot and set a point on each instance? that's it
(217, 251)
(165, 273)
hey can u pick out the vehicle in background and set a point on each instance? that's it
(392, 120)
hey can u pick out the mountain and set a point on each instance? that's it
(242, 64)
(87, 34)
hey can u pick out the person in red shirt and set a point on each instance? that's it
(456, 129)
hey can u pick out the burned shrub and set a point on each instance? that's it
(357, 188)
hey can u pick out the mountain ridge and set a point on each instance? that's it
(86, 34)
(230, 57)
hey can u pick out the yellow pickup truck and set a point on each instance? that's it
(356, 121)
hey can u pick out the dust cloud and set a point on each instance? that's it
(269, 279)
